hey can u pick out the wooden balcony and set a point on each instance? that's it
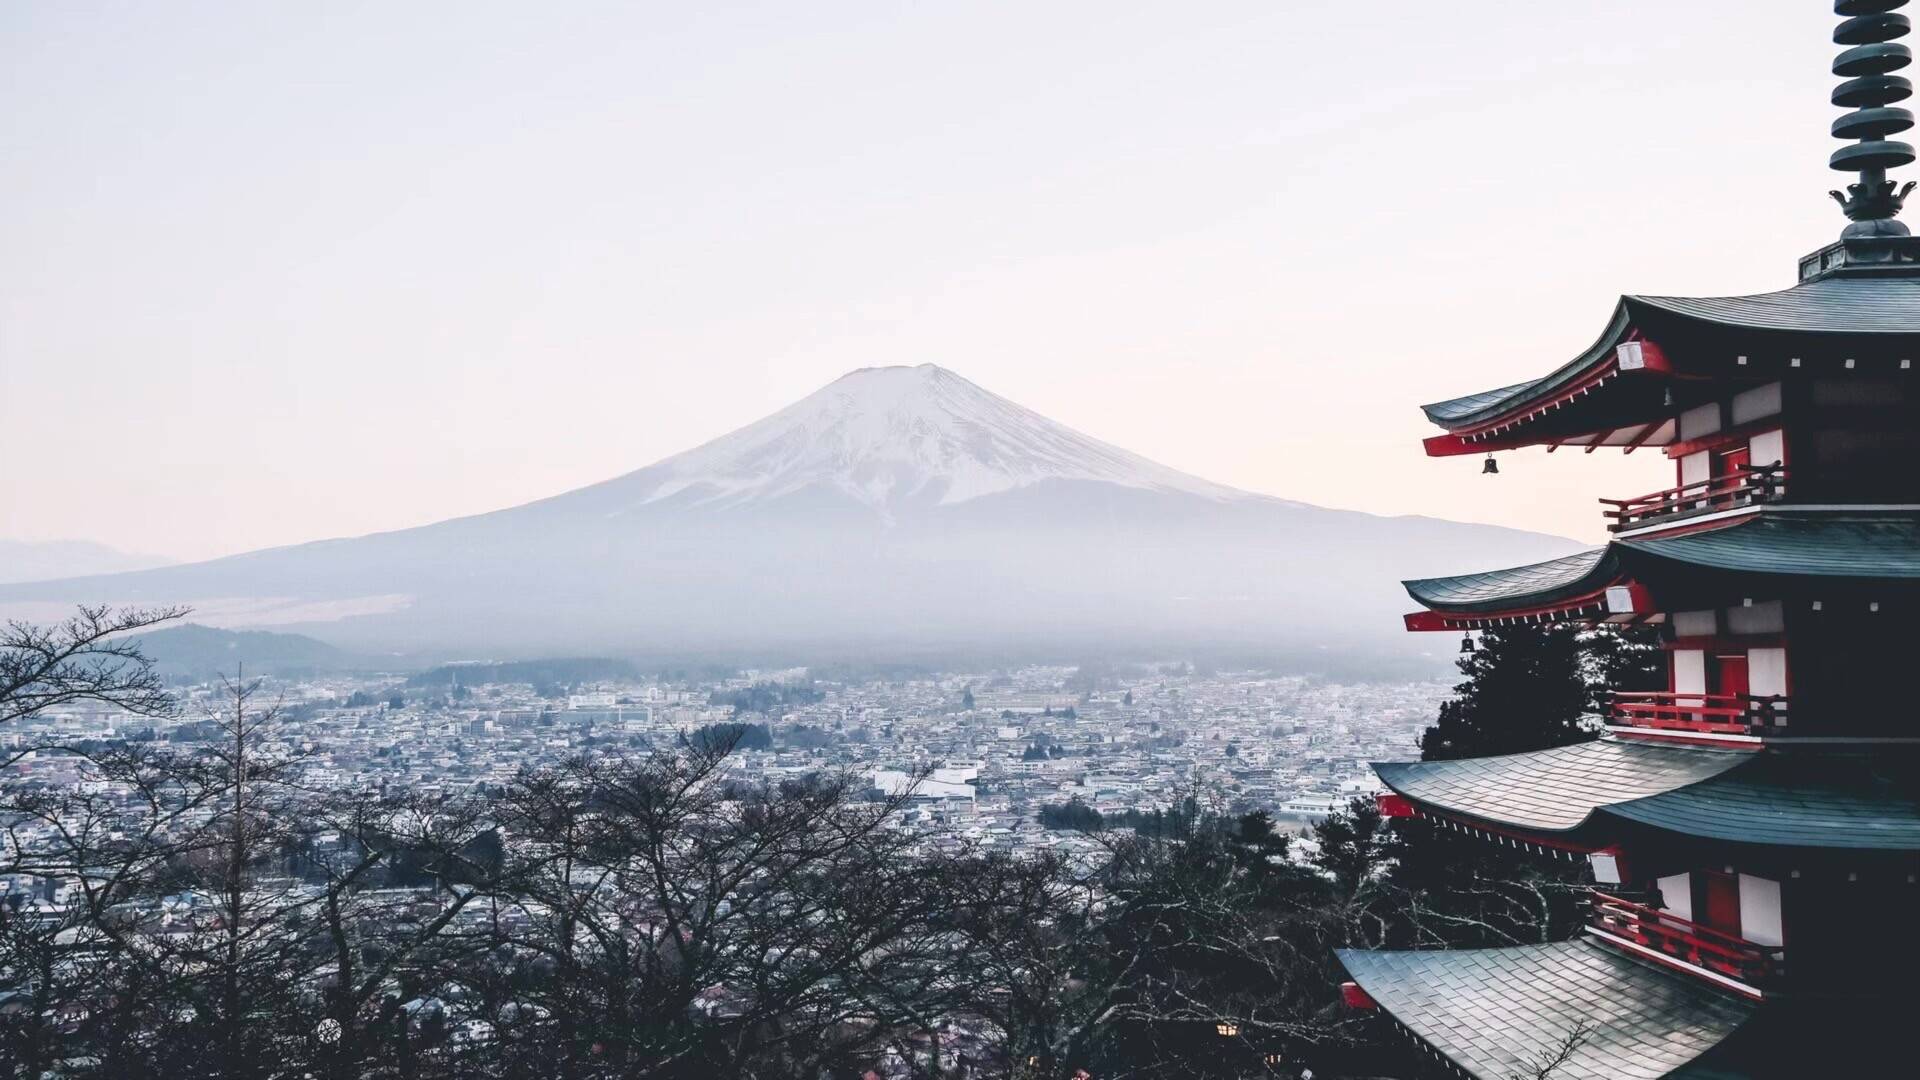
(1687, 944)
(1757, 715)
(1743, 487)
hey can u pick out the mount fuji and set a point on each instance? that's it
(897, 513)
(899, 437)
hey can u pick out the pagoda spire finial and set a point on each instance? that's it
(1870, 29)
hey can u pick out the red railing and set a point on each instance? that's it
(1742, 487)
(1687, 941)
(1709, 714)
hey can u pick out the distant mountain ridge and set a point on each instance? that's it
(190, 650)
(897, 513)
(559, 671)
(48, 560)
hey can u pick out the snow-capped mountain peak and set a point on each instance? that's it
(892, 435)
(840, 547)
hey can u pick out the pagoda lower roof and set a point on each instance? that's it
(1808, 797)
(1773, 541)
(1555, 790)
(1801, 543)
(1853, 308)
(1534, 585)
(1844, 1035)
(1501, 1013)
(1828, 799)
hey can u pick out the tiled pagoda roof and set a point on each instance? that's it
(1850, 306)
(1555, 790)
(1877, 546)
(1841, 305)
(1867, 546)
(1499, 1013)
(1533, 584)
(1809, 797)
(1827, 799)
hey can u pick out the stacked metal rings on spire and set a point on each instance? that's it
(1871, 29)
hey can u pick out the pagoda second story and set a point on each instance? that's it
(1781, 623)
(1751, 829)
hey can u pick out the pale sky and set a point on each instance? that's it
(277, 272)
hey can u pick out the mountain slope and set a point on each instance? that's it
(194, 651)
(896, 512)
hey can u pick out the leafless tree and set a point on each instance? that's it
(371, 937)
(223, 913)
(216, 911)
(1416, 886)
(1030, 925)
(692, 925)
(103, 845)
(85, 658)
(157, 849)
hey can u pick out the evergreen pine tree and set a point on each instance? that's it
(1525, 689)
(1530, 688)
(1625, 658)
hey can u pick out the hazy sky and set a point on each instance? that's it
(276, 272)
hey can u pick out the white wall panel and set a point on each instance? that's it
(1696, 623)
(1703, 420)
(1606, 867)
(1696, 468)
(1766, 617)
(1756, 403)
(1759, 910)
(1766, 671)
(1689, 671)
(1676, 892)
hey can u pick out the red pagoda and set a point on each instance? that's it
(1753, 830)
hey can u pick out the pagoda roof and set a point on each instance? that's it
(1486, 403)
(1838, 305)
(1473, 411)
(1858, 1035)
(1823, 800)
(1555, 790)
(1500, 1013)
(1781, 540)
(1805, 798)
(1852, 308)
(1532, 585)
(1775, 540)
